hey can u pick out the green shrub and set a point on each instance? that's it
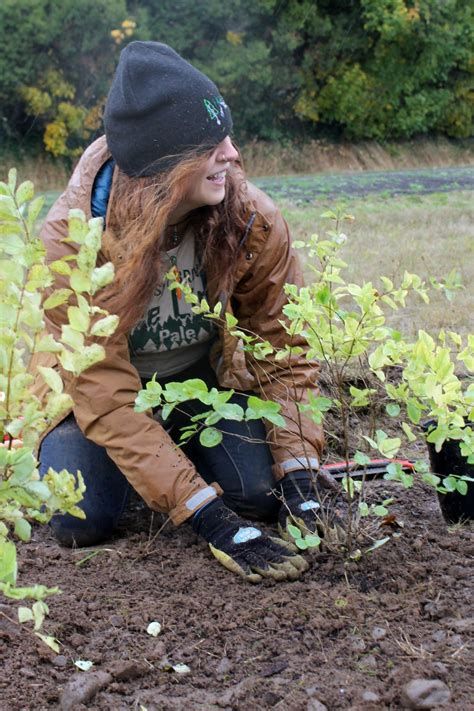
(25, 277)
(368, 367)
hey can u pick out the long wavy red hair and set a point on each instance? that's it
(139, 216)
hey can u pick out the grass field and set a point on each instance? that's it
(302, 189)
(429, 235)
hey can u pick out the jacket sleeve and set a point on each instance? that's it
(104, 398)
(258, 301)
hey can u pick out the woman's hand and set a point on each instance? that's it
(245, 549)
(311, 505)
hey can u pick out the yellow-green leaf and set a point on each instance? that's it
(51, 642)
(8, 564)
(24, 614)
(61, 296)
(47, 344)
(71, 337)
(409, 432)
(52, 379)
(79, 281)
(60, 267)
(22, 529)
(105, 326)
(25, 192)
(78, 319)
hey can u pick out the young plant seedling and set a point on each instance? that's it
(302, 541)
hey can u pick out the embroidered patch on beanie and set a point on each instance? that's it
(216, 108)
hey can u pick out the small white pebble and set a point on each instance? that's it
(154, 628)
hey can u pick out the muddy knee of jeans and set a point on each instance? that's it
(80, 535)
(257, 505)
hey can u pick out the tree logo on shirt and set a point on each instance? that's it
(175, 325)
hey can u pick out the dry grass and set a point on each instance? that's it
(429, 235)
(321, 156)
(263, 158)
(410, 650)
(45, 172)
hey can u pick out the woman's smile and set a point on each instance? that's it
(207, 185)
(218, 178)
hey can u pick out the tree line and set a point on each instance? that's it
(357, 69)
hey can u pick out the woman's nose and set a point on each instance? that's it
(227, 152)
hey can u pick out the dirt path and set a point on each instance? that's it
(306, 188)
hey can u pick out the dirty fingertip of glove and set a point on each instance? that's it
(284, 541)
(292, 569)
(274, 571)
(229, 563)
(299, 562)
(294, 565)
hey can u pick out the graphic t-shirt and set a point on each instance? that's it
(170, 337)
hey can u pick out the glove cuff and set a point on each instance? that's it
(210, 510)
(298, 483)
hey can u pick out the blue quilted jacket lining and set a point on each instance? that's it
(101, 189)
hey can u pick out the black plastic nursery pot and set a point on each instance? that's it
(455, 507)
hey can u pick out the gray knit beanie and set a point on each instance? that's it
(158, 107)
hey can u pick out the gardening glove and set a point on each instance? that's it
(245, 549)
(311, 506)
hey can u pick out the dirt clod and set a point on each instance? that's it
(357, 644)
(463, 625)
(82, 688)
(368, 662)
(370, 697)
(425, 693)
(378, 633)
(224, 666)
(27, 673)
(60, 661)
(315, 705)
(128, 669)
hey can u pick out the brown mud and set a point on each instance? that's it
(340, 638)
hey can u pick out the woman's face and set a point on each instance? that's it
(208, 184)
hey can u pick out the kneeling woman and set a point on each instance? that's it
(166, 178)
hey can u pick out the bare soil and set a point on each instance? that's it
(346, 637)
(308, 189)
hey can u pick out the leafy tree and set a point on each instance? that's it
(393, 68)
(233, 44)
(366, 68)
(56, 61)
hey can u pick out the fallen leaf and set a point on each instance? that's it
(391, 520)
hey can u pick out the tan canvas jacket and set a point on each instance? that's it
(104, 395)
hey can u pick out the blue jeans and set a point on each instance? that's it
(242, 468)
